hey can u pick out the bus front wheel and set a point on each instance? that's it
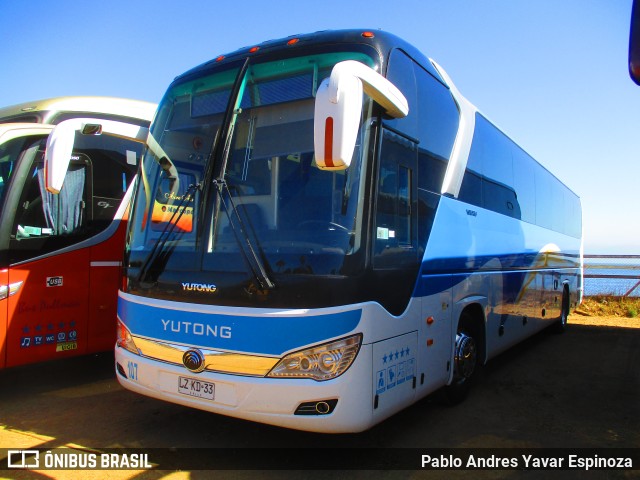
(465, 362)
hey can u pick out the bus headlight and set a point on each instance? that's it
(320, 363)
(125, 340)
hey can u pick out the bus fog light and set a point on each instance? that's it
(319, 363)
(322, 407)
(125, 340)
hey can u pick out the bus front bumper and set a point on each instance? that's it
(343, 404)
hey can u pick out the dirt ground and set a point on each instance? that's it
(578, 318)
(575, 390)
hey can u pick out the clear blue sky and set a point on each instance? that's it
(551, 73)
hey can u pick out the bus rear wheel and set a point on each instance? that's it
(561, 325)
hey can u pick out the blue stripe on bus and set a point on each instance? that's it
(513, 279)
(522, 261)
(265, 335)
(462, 245)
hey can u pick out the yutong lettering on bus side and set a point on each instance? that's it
(196, 328)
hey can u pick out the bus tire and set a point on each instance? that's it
(560, 326)
(465, 361)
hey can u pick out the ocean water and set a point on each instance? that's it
(609, 265)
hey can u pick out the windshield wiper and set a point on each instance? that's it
(256, 265)
(159, 245)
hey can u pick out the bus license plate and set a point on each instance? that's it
(196, 388)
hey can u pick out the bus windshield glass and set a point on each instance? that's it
(253, 203)
(11, 152)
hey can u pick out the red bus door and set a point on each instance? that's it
(47, 314)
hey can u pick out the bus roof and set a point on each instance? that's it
(383, 42)
(9, 131)
(47, 110)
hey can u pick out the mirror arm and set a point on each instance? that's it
(60, 143)
(634, 43)
(381, 90)
(338, 110)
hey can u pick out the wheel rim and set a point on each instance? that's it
(466, 355)
(565, 308)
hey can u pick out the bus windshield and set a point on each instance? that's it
(253, 205)
(10, 154)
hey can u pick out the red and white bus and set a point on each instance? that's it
(60, 254)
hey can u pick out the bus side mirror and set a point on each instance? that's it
(338, 108)
(57, 155)
(634, 43)
(61, 140)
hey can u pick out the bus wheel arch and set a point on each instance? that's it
(469, 352)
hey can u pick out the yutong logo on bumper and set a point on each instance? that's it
(194, 328)
(199, 287)
(194, 360)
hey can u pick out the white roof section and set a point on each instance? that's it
(9, 131)
(462, 145)
(5, 127)
(104, 105)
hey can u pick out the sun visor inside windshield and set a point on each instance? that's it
(260, 94)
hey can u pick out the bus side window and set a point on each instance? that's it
(42, 214)
(111, 178)
(438, 126)
(437, 129)
(471, 190)
(401, 73)
(45, 222)
(396, 212)
(395, 230)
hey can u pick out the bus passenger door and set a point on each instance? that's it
(47, 315)
(396, 261)
(19, 145)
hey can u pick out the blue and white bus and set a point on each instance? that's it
(324, 231)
